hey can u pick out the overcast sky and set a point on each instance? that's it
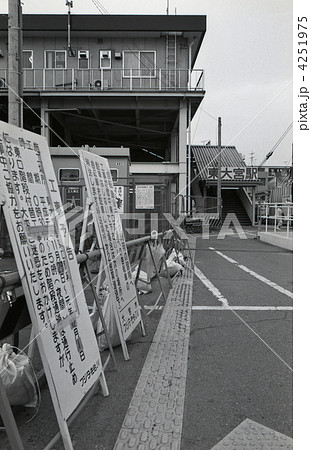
(247, 58)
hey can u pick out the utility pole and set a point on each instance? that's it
(15, 87)
(188, 193)
(252, 158)
(219, 199)
(71, 52)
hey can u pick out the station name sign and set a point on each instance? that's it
(233, 174)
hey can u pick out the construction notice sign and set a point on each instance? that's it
(108, 226)
(47, 267)
(144, 196)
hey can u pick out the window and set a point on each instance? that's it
(114, 175)
(27, 59)
(55, 59)
(142, 63)
(69, 174)
(105, 59)
(84, 59)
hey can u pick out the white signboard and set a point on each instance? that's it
(119, 193)
(109, 231)
(144, 196)
(234, 173)
(47, 267)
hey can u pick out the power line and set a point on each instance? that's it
(270, 153)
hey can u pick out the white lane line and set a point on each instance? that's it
(233, 308)
(213, 289)
(219, 296)
(256, 275)
(243, 308)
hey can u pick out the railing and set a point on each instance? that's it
(271, 219)
(109, 79)
(247, 203)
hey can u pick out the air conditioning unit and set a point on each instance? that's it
(2, 83)
(118, 55)
(105, 53)
(83, 54)
(105, 59)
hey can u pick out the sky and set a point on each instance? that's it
(247, 58)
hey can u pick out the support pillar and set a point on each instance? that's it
(45, 121)
(182, 180)
(173, 157)
(253, 205)
(14, 63)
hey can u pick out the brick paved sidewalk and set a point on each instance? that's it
(155, 415)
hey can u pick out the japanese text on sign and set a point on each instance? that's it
(109, 230)
(234, 173)
(47, 264)
(144, 196)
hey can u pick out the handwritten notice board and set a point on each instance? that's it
(47, 267)
(117, 268)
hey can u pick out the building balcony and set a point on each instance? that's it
(116, 80)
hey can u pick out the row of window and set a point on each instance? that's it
(74, 175)
(140, 60)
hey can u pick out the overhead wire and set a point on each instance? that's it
(275, 146)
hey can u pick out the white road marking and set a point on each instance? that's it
(213, 289)
(233, 308)
(243, 308)
(250, 434)
(256, 275)
(225, 306)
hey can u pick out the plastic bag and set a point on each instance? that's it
(147, 264)
(158, 252)
(111, 325)
(176, 256)
(143, 284)
(173, 267)
(17, 377)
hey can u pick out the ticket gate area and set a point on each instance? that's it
(73, 195)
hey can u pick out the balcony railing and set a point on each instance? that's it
(109, 79)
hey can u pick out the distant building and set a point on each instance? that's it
(276, 184)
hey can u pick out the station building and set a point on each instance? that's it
(124, 83)
(239, 182)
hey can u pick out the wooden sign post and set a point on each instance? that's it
(49, 271)
(115, 261)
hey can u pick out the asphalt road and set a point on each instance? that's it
(240, 360)
(239, 363)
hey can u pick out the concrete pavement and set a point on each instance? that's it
(216, 373)
(237, 391)
(240, 353)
